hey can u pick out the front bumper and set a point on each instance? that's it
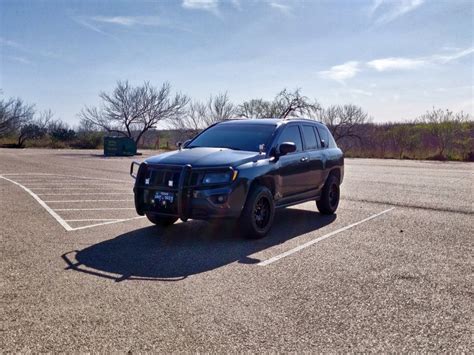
(191, 199)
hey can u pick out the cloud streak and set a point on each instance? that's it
(285, 9)
(124, 21)
(341, 72)
(350, 69)
(385, 11)
(400, 63)
(204, 5)
(392, 63)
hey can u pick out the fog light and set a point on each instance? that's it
(220, 199)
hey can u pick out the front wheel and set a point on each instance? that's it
(258, 213)
(161, 221)
(330, 196)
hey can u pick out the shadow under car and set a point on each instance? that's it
(184, 249)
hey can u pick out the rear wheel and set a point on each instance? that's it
(161, 221)
(257, 216)
(330, 196)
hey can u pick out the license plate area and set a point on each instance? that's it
(164, 200)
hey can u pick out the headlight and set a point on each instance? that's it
(219, 178)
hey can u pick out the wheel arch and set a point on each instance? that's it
(335, 172)
(267, 181)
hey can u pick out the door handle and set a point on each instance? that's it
(304, 159)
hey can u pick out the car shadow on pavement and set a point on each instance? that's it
(184, 249)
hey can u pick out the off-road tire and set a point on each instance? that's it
(161, 221)
(330, 195)
(259, 211)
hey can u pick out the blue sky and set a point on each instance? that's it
(394, 58)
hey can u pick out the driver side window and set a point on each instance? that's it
(291, 134)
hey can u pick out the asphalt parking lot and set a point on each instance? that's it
(80, 271)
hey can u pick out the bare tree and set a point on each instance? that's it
(201, 115)
(286, 104)
(13, 114)
(256, 108)
(192, 122)
(135, 109)
(34, 128)
(60, 131)
(293, 104)
(219, 108)
(405, 137)
(343, 121)
(445, 126)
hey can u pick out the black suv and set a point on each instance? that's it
(242, 169)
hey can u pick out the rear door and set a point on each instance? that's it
(314, 177)
(292, 167)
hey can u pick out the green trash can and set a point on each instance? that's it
(119, 147)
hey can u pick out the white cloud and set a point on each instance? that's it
(21, 60)
(395, 63)
(453, 56)
(285, 9)
(116, 20)
(400, 63)
(389, 10)
(127, 21)
(361, 92)
(341, 72)
(350, 69)
(206, 5)
(236, 4)
(9, 43)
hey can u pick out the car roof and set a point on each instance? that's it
(268, 121)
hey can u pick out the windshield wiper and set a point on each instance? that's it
(199, 146)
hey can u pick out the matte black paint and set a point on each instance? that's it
(292, 178)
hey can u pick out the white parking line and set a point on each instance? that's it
(57, 217)
(95, 209)
(75, 188)
(317, 240)
(53, 185)
(64, 176)
(70, 201)
(110, 222)
(42, 203)
(88, 193)
(92, 220)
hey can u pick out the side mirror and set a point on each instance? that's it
(183, 144)
(323, 143)
(286, 148)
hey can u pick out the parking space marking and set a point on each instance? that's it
(37, 183)
(317, 240)
(42, 203)
(95, 209)
(76, 188)
(88, 193)
(66, 176)
(109, 222)
(63, 222)
(92, 219)
(70, 201)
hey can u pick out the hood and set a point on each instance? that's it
(205, 157)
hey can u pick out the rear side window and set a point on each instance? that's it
(327, 137)
(309, 137)
(291, 134)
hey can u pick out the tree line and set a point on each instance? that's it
(132, 111)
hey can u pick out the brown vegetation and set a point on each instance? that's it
(135, 111)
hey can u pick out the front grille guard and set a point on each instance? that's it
(183, 190)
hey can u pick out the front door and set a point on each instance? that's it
(292, 167)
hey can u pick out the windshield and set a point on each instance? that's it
(234, 136)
